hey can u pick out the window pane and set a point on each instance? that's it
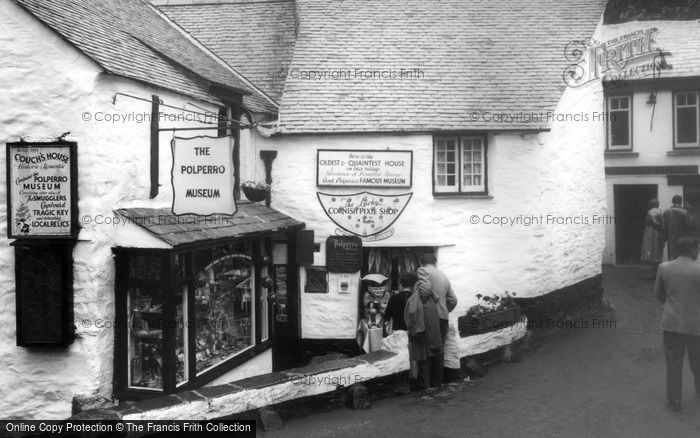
(686, 123)
(477, 180)
(442, 180)
(451, 180)
(145, 344)
(441, 157)
(441, 168)
(467, 180)
(619, 128)
(690, 99)
(181, 336)
(467, 168)
(614, 103)
(451, 168)
(224, 306)
(477, 156)
(477, 169)
(624, 102)
(680, 99)
(451, 156)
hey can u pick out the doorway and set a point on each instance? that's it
(631, 206)
(691, 199)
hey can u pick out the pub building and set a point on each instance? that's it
(129, 271)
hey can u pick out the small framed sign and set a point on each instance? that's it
(42, 190)
(343, 254)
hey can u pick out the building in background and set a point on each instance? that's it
(652, 143)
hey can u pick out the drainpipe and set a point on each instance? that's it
(268, 157)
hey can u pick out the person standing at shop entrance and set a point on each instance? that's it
(678, 288)
(677, 222)
(432, 281)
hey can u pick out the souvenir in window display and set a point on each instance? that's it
(223, 307)
(146, 336)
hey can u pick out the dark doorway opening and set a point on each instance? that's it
(691, 200)
(631, 206)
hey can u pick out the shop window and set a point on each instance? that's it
(190, 315)
(620, 122)
(316, 280)
(687, 122)
(460, 165)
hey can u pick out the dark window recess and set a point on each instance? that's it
(44, 280)
(686, 119)
(222, 124)
(619, 129)
(316, 280)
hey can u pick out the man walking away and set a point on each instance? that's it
(441, 289)
(678, 288)
(677, 222)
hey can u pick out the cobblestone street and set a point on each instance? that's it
(607, 380)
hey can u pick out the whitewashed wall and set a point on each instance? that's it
(558, 173)
(652, 138)
(47, 87)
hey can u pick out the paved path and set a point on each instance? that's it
(604, 381)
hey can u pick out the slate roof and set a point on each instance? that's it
(129, 38)
(501, 56)
(680, 38)
(252, 219)
(255, 38)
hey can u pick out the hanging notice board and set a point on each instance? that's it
(343, 254)
(42, 195)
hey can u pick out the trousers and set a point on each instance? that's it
(431, 371)
(675, 345)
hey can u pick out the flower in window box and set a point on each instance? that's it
(255, 191)
(496, 312)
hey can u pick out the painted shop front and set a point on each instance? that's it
(130, 266)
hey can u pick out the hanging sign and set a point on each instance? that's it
(364, 214)
(343, 254)
(364, 168)
(42, 190)
(202, 176)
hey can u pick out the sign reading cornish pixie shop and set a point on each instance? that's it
(367, 215)
(202, 176)
(42, 190)
(364, 168)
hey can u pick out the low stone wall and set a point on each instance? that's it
(270, 389)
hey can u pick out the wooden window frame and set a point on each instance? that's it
(608, 128)
(676, 144)
(459, 189)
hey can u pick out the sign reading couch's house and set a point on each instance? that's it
(42, 190)
(364, 168)
(202, 176)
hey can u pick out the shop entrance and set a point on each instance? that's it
(631, 206)
(691, 198)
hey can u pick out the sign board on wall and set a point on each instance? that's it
(364, 168)
(364, 214)
(202, 176)
(42, 190)
(343, 254)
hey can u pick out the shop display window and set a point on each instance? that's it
(186, 317)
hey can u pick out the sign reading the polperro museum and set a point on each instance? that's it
(202, 176)
(364, 168)
(41, 188)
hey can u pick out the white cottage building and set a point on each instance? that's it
(410, 127)
(502, 175)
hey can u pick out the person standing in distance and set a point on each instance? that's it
(677, 222)
(678, 288)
